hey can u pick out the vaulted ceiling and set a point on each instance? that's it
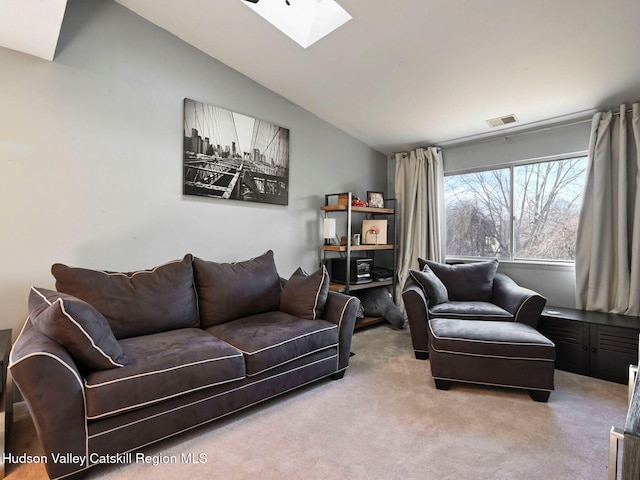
(406, 73)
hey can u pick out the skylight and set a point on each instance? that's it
(305, 21)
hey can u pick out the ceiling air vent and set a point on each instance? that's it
(506, 119)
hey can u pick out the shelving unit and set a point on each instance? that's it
(333, 208)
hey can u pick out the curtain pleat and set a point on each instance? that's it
(419, 188)
(634, 273)
(607, 251)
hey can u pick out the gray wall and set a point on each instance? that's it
(541, 143)
(91, 159)
(554, 281)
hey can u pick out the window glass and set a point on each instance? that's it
(547, 198)
(547, 202)
(477, 209)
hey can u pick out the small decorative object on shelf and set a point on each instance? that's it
(374, 232)
(375, 199)
(329, 230)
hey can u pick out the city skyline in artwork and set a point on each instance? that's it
(232, 156)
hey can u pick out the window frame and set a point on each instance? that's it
(512, 179)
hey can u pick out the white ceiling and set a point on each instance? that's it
(420, 72)
(31, 26)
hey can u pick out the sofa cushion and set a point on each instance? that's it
(227, 291)
(432, 286)
(275, 338)
(163, 365)
(465, 281)
(305, 295)
(470, 311)
(78, 327)
(136, 303)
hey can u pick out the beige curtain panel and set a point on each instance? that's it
(419, 188)
(608, 247)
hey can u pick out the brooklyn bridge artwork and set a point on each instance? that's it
(234, 157)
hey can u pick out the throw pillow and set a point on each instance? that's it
(465, 281)
(227, 291)
(136, 303)
(432, 286)
(378, 302)
(77, 326)
(305, 295)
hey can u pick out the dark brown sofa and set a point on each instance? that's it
(113, 361)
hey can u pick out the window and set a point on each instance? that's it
(524, 211)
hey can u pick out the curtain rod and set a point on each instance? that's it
(524, 130)
(393, 154)
(628, 110)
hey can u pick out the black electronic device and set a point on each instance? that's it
(360, 271)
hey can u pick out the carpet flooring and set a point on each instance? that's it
(385, 420)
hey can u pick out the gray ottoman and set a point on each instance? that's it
(507, 354)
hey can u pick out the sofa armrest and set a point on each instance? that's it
(342, 309)
(415, 303)
(524, 304)
(52, 387)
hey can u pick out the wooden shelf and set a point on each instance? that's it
(355, 248)
(341, 208)
(367, 321)
(341, 287)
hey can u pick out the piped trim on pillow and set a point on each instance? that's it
(85, 358)
(431, 285)
(325, 276)
(134, 273)
(305, 295)
(136, 303)
(84, 332)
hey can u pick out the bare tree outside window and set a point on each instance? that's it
(477, 209)
(547, 199)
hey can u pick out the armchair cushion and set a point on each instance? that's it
(467, 281)
(305, 295)
(432, 286)
(470, 310)
(136, 303)
(78, 327)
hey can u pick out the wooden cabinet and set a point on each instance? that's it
(598, 344)
(339, 206)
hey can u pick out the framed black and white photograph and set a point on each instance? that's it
(375, 199)
(231, 156)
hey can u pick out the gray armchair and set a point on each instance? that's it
(473, 291)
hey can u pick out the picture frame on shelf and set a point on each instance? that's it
(375, 199)
(374, 232)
